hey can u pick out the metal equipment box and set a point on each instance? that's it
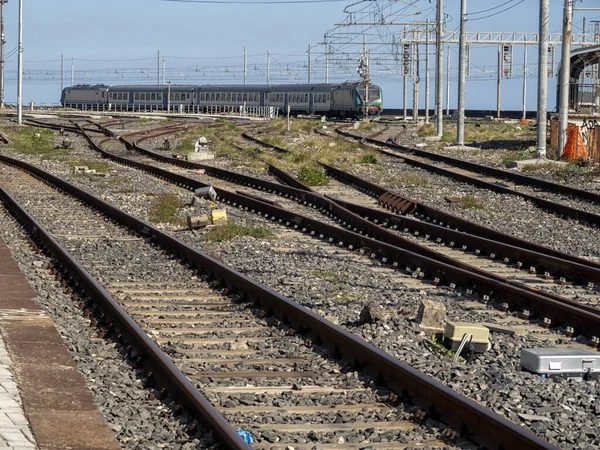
(456, 330)
(570, 363)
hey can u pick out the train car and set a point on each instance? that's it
(340, 100)
(85, 96)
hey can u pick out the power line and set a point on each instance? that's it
(499, 12)
(259, 2)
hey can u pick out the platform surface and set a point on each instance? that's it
(44, 400)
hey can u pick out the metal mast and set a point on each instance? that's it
(439, 70)
(462, 73)
(20, 68)
(542, 104)
(565, 74)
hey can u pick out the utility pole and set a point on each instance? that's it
(268, 66)
(2, 42)
(72, 71)
(565, 75)
(62, 72)
(164, 69)
(525, 84)
(308, 63)
(462, 73)
(427, 73)
(416, 81)
(158, 68)
(499, 82)
(542, 103)
(326, 64)
(245, 66)
(439, 70)
(448, 83)
(168, 97)
(404, 94)
(20, 68)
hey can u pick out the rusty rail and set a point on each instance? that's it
(483, 425)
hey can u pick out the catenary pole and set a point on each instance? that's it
(416, 80)
(404, 95)
(565, 74)
(448, 82)
(62, 72)
(427, 72)
(20, 68)
(499, 83)
(72, 71)
(268, 66)
(245, 66)
(158, 69)
(164, 69)
(525, 83)
(326, 64)
(462, 73)
(308, 63)
(542, 103)
(439, 69)
(2, 42)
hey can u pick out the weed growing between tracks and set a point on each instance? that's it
(312, 176)
(565, 172)
(34, 141)
(164, 208)
(231, 230)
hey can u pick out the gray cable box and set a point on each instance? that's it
(570, 363)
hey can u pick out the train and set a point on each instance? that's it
(334, 100)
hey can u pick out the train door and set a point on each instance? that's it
(130, 102)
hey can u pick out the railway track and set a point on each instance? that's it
(544, 309)
(165, 296)
(544, 194)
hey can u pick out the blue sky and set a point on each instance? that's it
(119, 38)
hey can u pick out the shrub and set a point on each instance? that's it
(368, 158)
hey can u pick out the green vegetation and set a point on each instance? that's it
(164, 208)
(483, 131)
(368, 158)
(321, 273)
(565, 172)
(516, 155)
(146, 120)
(34, 141)
(232, 229)
(312, 176)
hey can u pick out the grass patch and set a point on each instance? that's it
(467, 202)
(145, 120)
(232, 229)
(164, 208)
(34, 141)
(92, 164)
(312, 176)
(414, 179)
(368, 158)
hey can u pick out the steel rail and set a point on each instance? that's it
(483, 425)
(388, 246)
(163, 369)
(487, 170)
(264, 144)
(549, 205)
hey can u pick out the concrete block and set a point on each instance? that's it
(431, 316)
(218, 216)
(80, 169)
(200, 156)
(199, 221)
(206, 192)
(533, 162)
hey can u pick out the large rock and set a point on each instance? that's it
(431, 316)
(372, 312)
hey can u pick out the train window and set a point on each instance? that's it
(159, 96)
(187, 95)
(218, 97)
(103, 94)
(153, 96)
(202, 96)
(125, 96)
(257, 97)
(137, 96)
(245, 97)
(305, 98)
(212, 96)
